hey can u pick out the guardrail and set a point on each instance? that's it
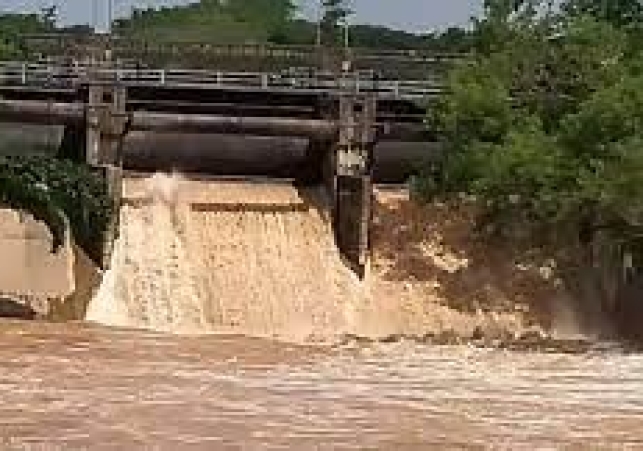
(73, 75)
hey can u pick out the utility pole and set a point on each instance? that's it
(95, 15)
(110, 15)
(320, 17)
(346, 34)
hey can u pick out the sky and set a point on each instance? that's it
(412, 15)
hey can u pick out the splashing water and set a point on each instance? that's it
(197, 257)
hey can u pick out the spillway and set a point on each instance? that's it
(198, 256)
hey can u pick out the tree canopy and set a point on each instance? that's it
(620, 13)
(59, 193)
(336, 13)
(274, 21)
(546, 124)
(235, 21)
(12, 26)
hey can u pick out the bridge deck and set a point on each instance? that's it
(311, 82)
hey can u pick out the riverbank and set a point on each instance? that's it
(431, 256)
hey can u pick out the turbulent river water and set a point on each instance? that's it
(74, 387)
(196, 283)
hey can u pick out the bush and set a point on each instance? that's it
(546, 125)
(58, 192)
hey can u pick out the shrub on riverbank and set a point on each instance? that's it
(545, 126)
(58, 192)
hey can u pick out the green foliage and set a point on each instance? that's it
(58, 192)
(12, 26)
(452, 40)
(527, 177)
(234, 21)
(546, 124)
(274, 21)
(15, 24)
(336, 13)
(612, 115)
(476, 108)
(8, 50)
(621, 13)
(211, 21)
(614, 185)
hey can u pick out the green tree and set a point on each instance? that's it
(336, 12)
(59, 192)
(620, 13)
(546, 124)
(13, 27)
(625, 14)
(49, 16)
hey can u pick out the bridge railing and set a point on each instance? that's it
(74, 75)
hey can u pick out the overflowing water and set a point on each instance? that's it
(256, 259)
(195, 257)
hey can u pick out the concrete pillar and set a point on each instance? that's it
(353, 191)
(107, 121)
(106, 124)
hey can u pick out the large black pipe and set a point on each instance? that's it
(235, 155)
(216, 155)
(239, 125)
(38, 112)
(56, 113)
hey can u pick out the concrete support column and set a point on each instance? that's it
(106, 124)
(353, 190)
(107, 121)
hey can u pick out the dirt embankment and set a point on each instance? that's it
(431, 257)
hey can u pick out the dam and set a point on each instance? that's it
(232, 312)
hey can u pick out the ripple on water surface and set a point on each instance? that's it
(70, 386)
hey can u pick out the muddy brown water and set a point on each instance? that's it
(188, 271)
(79, 387)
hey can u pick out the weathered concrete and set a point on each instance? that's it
(27, 267)
(353, 185)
